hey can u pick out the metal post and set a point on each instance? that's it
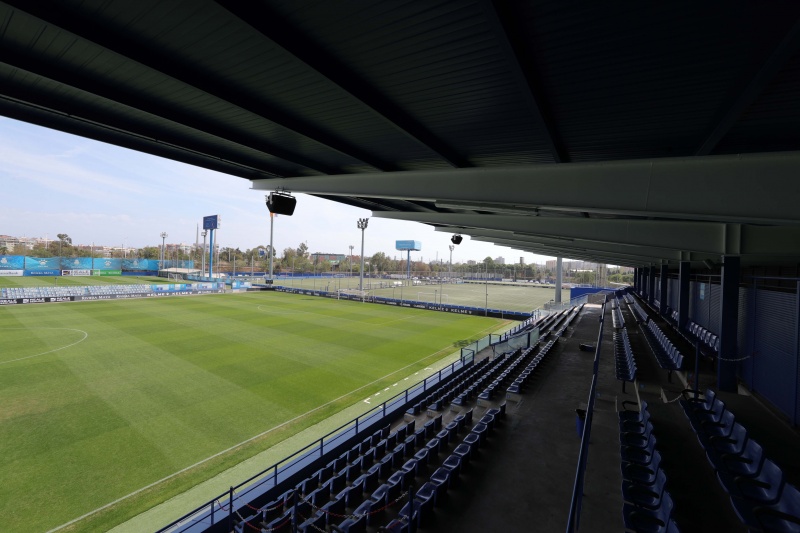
(559, 279)
(211, 254)
(362, 225)
(450, 267)
(230, 510)
(163, 241)
(271, 219)
(203, 252)
(350, 260)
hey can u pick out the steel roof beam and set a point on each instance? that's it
(268, 23)
(574, 253)
(594, 246)
(731, 112)
(59, 120)
(500, 20)
(157, 59)
(701, 237)
(740, 188)
(35, 64)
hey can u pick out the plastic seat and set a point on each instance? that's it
(782, 516)
(765, 488)
(453, 463)
(650, 520)
(648, 496)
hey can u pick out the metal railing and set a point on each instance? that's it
(573, 522)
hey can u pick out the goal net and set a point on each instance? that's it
(353, 294)
(171, 275)
(435, 297)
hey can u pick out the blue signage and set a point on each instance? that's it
(43, 263)
(76, 263)
(107, 263)
(408, 245)
(212, 222)
(12, 262)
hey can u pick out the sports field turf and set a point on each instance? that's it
(523, 297)
(100, 399)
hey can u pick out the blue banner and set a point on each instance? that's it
(43, 272)
(76, 263)
(43, 263)
(140, 264)
(107, 263)
(12, 262)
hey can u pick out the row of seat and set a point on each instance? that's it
(624, 362)
(520, 383)
(696, 332)
(92, 290)
(647, 504)
(431, 493)
(667, 354)
(478, 380)
(616, 314)
(761, 497)
(343, 480)
(639, 314)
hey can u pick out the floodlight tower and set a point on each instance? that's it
(450, 269)
(362, 225)
(163, 247)
(350, 260)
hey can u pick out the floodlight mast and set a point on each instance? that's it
(163, 247)
(362, 225)
(450, 273)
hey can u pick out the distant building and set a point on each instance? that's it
(500, 260)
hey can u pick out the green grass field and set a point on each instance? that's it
(103, 398)
(510, 297)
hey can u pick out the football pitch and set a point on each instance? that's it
(101, 399)
(506, 296)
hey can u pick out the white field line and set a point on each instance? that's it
(85, 336)
(198, 463)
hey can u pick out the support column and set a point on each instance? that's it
(729, 323)
(664, 298)
(651, 284)
(683, 294)
(636, 278)
(559, 278)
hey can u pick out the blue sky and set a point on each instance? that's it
(53, 182)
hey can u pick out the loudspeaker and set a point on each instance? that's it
(281, 204)
(456, 239)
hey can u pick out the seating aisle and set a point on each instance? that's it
(525, 474)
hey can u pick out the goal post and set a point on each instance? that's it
(434, 297)
(353, 294)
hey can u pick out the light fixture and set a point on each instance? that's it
(281, 203)
(456, 239)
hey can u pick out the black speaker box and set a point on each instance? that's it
(281, 205)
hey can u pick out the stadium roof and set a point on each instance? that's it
(627, 133)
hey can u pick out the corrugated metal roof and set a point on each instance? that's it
(292, 88)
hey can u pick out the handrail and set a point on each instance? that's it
(573, 522)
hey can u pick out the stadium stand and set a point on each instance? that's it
(759, 492)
